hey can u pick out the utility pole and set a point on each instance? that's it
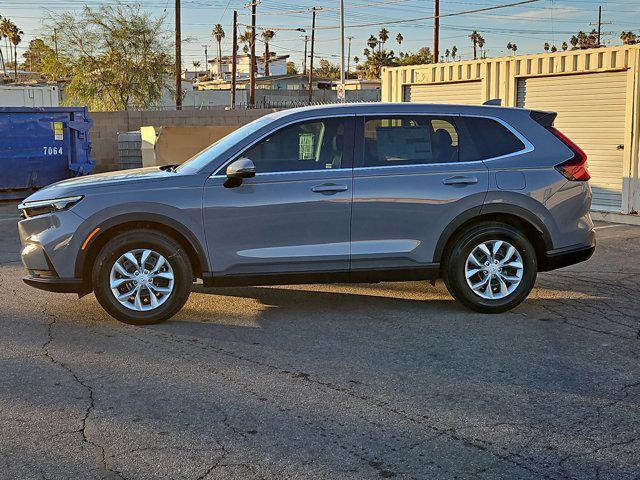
(304, 60)
(234, 59)
(436, 30)
(252, 63)
(349, 57)
(178, 59)
(342, 48)
(313, 36)
(599, 25)
(206, 57)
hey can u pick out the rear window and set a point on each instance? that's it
(490, 139)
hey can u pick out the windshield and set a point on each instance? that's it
(201, 159)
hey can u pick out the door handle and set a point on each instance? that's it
(460, 180)
(329, 188)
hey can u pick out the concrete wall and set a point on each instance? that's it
(106, 125)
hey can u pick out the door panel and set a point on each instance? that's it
(400, 211)
(285, 221)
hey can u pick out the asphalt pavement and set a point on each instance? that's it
(327, 381)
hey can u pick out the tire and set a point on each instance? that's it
(171, 282)
(509, 285)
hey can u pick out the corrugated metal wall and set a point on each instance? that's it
(591, 111)
(595, 92)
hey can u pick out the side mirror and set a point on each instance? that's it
(236, 171)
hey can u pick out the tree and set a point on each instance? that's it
(447, 53)
(421, 57)
(372, 67)
(454, 52)
(513, 47)
(554, 49)
(291, 68)
(35, 53)
(356, 59)
(574, 42)
(114, 57)
(399, 38)
(383, 35)
(196, 64)
(372, 42)
(565, 46)
(546, 46)
(478, 42)
(267, 35)
(218, 33)
(245, 39)
(15, 37)
(628, 38)
(327, 69)
(6, 26)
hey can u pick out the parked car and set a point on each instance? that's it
(485, 197)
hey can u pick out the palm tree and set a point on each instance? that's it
(15, 38)
(6, 27)
(628, 38)
(218, 33)
(546, 46)
(267, 35)
(4, 66)
(574, 42)
(514, 48)
(447, 53)
(245, 38)
(356, 60)
(565, 46)
(399, 38)
(554, 49)
(478, 42)
(454, 53)
(383, 35)
(372, 42)
(196, 64)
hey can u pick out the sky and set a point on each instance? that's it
(529, 26)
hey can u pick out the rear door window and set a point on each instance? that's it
(489, 139)
(409, 140)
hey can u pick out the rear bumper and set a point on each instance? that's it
(58, 285)
(563, 257)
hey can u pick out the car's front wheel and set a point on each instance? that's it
(491, 268)
(142, 277)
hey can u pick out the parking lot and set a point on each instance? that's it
(328, 382)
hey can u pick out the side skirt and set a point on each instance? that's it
(427, 272)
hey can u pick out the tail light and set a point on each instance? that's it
(575, 168)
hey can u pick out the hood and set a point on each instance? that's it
(78, 185)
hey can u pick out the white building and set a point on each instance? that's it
(277, 66)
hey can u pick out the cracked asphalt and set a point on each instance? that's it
(328, 382)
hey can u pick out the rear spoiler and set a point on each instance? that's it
(545, 119)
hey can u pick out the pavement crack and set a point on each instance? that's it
(46, 348)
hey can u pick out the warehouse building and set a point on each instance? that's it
(596, 93)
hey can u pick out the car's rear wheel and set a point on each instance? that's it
(142, 277)
(490, 268)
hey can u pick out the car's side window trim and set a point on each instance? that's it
(235, 156)
(359, 161)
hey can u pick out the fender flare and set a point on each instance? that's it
(488, 209)
(191, 239)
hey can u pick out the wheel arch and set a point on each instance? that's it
(527, 222)
(115, 225)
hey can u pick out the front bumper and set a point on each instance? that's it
(58, 285)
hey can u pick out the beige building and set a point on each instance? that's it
(595, 92)
(277, 65)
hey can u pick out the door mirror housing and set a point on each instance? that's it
(237, 170)
(241, 168)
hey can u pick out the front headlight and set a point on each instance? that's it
(40, 207)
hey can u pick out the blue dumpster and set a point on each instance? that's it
(39, 146)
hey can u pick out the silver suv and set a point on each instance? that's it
(482, 196)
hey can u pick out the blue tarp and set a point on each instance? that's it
(40, 146)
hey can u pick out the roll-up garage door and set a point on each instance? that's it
(591, 112)
(466, 93)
